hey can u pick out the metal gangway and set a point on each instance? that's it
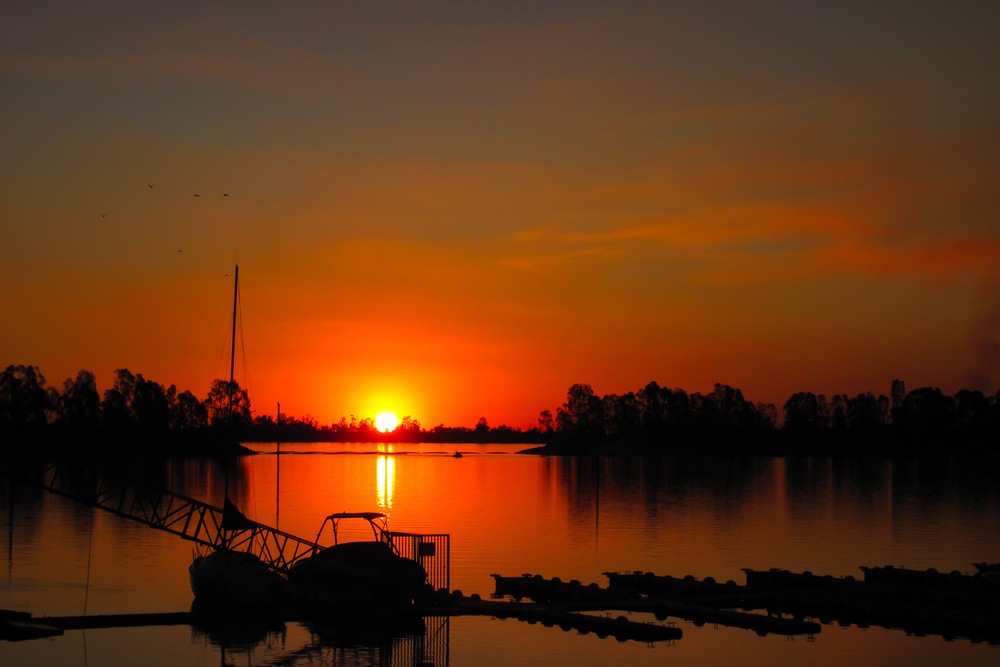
(215, 527)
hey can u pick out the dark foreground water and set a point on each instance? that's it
(512, 514)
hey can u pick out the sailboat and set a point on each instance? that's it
(225, 576)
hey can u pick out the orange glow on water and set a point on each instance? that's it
(385, 476)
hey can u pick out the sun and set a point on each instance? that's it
(386, 421)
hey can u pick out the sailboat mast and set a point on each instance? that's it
(232, 346)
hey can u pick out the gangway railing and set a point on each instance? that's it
(176, 513)
(203, 524)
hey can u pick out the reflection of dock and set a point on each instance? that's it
(918, 602)
(575, 596)
(567, 615)
(18, 625)
(401, 638)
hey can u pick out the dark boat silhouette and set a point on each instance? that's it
(224, 576)
(234, 578)
(358, 573)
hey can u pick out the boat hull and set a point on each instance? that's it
(234, 578)
(359, 574)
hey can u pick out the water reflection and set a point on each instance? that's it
(575, 518)
(385, 478)
(358, 641)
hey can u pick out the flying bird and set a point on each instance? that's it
(197, 195)
(149, 185)
(225, 194)
(104, 215)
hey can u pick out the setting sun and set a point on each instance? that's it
(386, 421)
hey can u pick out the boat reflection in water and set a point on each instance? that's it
(399, 640)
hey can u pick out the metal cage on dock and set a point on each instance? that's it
(432, 551)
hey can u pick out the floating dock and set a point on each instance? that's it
(919, 602)
(573, 595)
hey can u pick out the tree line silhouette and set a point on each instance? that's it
(139, 413)
(660, 419)
(143, 414)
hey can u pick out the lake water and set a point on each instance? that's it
(512, 514)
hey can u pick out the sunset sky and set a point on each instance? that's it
(457, 210)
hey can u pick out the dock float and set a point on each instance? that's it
(573, 596)
(918, 602)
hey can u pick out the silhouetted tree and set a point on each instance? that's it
(408, 425)
(545, 421)
(897, 394)
(116, 405)
(23, 397)
(150, 408)
(925, 412)
(217, 405)
(365, 429)
(803, 412)
(135, 403)
(653, 411)
(80, 402)
(768, 414)
(621, 420)
(837, 418)
(865, 412)
(186, 411)
(728, 410)
(972, 409)
(580, 415)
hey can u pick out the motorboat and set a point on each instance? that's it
(362, 573)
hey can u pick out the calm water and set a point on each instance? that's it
(511, 514)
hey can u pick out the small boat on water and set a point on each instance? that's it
(223, 577)
(363, 573)
(228, 577)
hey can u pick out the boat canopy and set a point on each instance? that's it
(367, 516)
(377, 520)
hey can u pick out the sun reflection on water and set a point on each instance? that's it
(385, 474)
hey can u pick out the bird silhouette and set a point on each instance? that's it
(197, 195)
(225, 194)
(104, 215)
(149, 185)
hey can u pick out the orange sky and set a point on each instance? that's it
(457, 210)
